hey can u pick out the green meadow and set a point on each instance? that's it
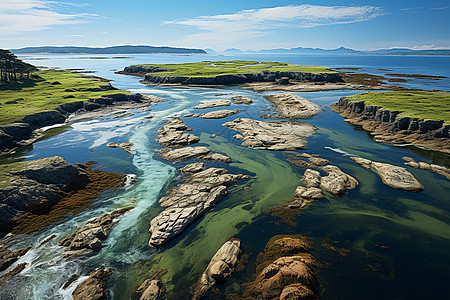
(55, 87)
(216, 68)
(418, 104)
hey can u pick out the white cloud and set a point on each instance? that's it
(18, 16)
(256, 22)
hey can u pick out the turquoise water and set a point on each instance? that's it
(396, 242)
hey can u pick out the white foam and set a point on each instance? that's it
(340, 151)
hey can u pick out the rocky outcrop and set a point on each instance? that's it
(444, 171)
(34, 186)
(218, 114)
(24, 132)
(303, 196)
(285, 270)
(272, 135)
(94, 287)
(336, 182)
(393, 176)
(174, 134)
(193, 152)
(89, 237)
(294, 107)
(40, 192)
(219, 268)
(125, 146)
(265, 76)
(193, 168)
(186, 202)
(142, 70)
(241, 100)
(212, 104)
(390, 127)
(306, 160)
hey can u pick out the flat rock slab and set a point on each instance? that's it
(193, 152)
(294, 107)
(219, 114)
(213, 104)
(186, 202)
(241, 100)
(394, 176)
(219, 268)
(174, 134)
(444, 171)
(272, 135)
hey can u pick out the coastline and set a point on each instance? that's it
(388, 127)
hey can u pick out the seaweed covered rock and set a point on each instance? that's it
(219, 269)
(285, 270)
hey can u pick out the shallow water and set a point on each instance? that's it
(385, 241)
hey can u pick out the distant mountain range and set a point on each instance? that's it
(108, 50)
(338, 51)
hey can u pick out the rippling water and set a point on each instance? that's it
(385, 241)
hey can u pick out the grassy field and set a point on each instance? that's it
(57, 87)
(211, 69)
(425, 105)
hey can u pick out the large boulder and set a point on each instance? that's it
(94, 287)
(219, 268)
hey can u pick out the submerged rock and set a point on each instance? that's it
(241, 100)
(188, 201)
(193, 152)
(393, 176)
(94, 287)
(294, 107)
(272, 135)
(212, 104)
(219, 269)
(444, 171)
(89, 237)
(152, 288)
(285, 270)
(125, 146)
(173, 134)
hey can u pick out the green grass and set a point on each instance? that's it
(7, 169)
(421, 104)
(216, 68)
(29, 97)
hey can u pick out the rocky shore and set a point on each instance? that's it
(36, 193)
(265, 76)
(26, 131)
(390, 127)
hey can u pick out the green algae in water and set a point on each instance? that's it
(273, 183)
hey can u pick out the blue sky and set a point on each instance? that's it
(249, 24)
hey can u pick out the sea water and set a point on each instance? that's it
(374, 242)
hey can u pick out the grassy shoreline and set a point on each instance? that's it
(55, 88)
(219, 68)
(417, 104)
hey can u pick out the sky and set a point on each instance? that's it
(243, 24)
